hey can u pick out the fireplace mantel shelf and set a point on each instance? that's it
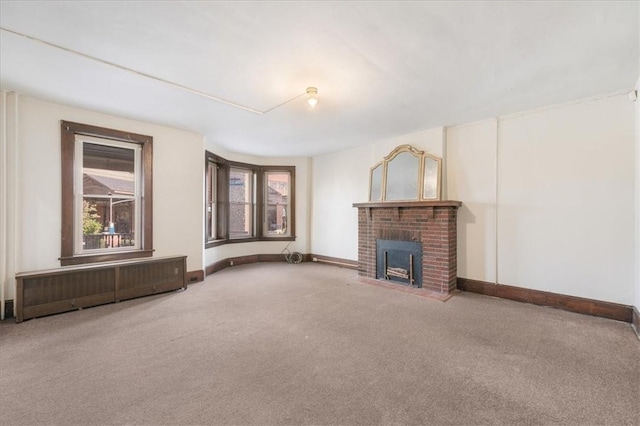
(399, 204)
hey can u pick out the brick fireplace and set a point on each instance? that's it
(430, 223)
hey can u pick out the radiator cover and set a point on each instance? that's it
(53, 291)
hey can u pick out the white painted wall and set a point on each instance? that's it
(636, 301)
(8, 196)
(566, 200)
(548, 197)
(637, 253)
(178, 167)
(471, 173)
(303, 182)
(341, 179)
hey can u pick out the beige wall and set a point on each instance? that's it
(471, 172)
(566, 200)
(637, 252)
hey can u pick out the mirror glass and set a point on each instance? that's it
(402, 177)
(376, 183)
(430, 191)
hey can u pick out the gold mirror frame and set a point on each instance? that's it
(420, 178)
(380, 190)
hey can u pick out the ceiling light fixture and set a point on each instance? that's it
(312, 96)
(311, 92)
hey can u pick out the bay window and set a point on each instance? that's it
(246, 202)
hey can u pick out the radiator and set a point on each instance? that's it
(53, 291)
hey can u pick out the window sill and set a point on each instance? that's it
(104, 257)
(217, 243)
(214, 243)
(274, 238)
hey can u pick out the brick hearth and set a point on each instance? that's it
(433, 223)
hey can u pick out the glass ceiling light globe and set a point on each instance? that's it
(312, 96)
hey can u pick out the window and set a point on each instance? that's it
(241, 203)
(245, 202)
(106, 194)
(277, 198)
(211, 186)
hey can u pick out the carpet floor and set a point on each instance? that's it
(281, 344)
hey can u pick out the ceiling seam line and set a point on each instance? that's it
(170, 83)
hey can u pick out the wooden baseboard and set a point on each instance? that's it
(195, 276)
(344, 263)
(8, 309)
(580, 305)
(243, 260)
(636, 320)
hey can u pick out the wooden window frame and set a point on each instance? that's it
(211, 199)
(291, 219)
(69, 130)
(252, 203)
(222, 214)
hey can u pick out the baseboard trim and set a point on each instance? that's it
(254, 258)
(635, 323)
(580, 305)
(243, 260)
(344, 263)
(8, 309)
(195, 276)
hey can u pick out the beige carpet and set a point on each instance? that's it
(276, 344)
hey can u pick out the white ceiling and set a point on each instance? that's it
(382, 69)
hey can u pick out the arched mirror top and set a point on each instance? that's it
(402, 149)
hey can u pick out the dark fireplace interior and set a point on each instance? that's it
(399, 261)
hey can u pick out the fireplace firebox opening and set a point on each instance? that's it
(399, 261)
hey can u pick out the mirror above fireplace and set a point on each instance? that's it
(406, 174)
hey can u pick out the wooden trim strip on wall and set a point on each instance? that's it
(580, 305)
(345, 263)
(635, 322)
(195, 276)
(9, 311)
(243, 260)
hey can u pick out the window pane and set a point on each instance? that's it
(108, 196)
(278, 199)
(240, 220)
(107, 223)
(240, 203)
